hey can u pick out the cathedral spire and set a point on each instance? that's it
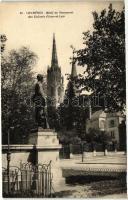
(73, 72)
(54, 61)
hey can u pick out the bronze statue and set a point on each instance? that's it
(40, 104)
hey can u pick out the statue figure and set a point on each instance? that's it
(40, 104)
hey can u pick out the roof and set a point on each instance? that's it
(101, 113)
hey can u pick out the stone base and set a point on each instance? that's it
(44, 137)
(47, 145)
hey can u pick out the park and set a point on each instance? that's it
(64, 127)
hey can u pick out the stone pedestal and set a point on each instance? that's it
(47, 145)
(44, 137)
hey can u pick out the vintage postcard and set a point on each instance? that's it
(63, 99)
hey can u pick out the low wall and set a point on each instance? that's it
(22, 154)
(36, 154)
(91, 154)
(19, 154)
(25, 153)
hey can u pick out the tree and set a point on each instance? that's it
(104, 58)
(3, 39)
(96, 136)
(16, 87)
(68, 110)
(72, 115)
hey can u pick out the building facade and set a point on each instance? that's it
(108, 122)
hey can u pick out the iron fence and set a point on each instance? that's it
(28, 181)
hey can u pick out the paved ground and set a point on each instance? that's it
(117, 162)
(115, 188)
(115, 196)
(112, 163)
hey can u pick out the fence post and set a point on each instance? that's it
(71, 155)
(94, 152)
(23, 186)
(8, 162)
(82, 149)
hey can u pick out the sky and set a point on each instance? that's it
(37, 33)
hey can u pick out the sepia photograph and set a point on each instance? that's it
(63, 99)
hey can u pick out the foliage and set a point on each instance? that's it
(72, 116)
(69, 137)
(16, 86)
(3, 39)
(53, 117)
(97, 136)
(104, 58)
(68, 109)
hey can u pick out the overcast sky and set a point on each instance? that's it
(37, 33)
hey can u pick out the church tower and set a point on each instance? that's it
(55, 87)
(73, 70)
(74, 76)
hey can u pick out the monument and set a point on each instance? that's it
(40, 104)
(45, 139)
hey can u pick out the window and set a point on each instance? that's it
(112, 134)
(111, 123)
(102, 124)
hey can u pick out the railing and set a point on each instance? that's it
(28, 181)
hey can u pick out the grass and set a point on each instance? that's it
(93, 189)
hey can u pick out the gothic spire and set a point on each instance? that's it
(54, 61)
(73, 71)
